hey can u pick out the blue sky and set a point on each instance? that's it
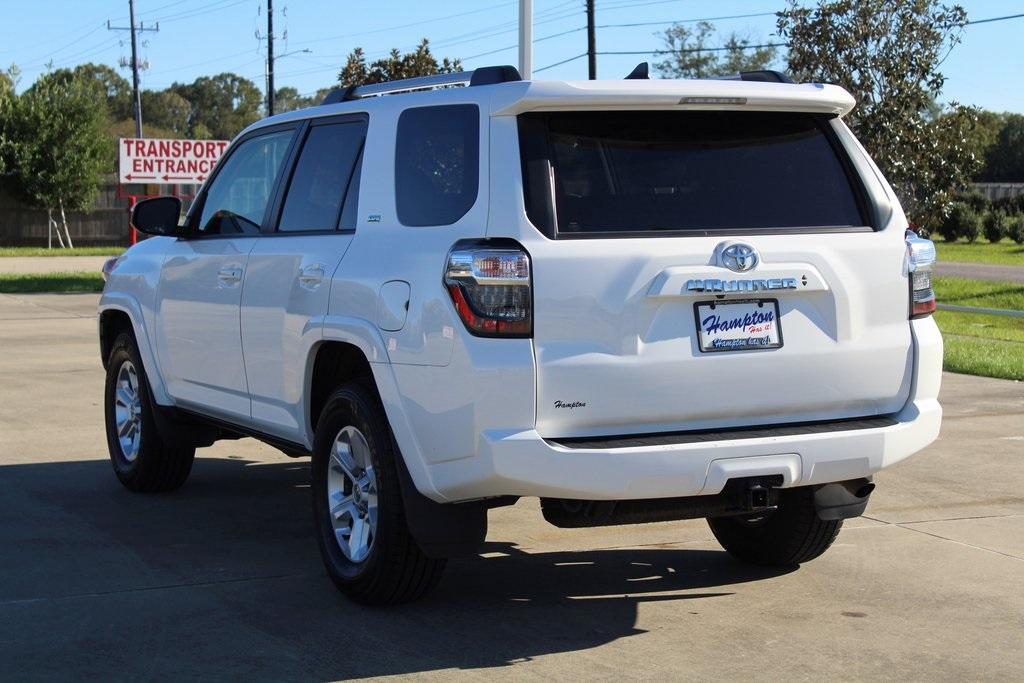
(202, 37)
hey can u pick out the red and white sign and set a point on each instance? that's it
(151, 160)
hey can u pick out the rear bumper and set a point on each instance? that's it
(522, 463)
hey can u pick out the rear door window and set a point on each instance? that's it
(318, 191)
(644, 172)
(437, 164)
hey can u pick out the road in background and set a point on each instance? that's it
(980, 271)
(223, 580)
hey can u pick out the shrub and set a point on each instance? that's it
(962, 221)
(970, 229)
(1010, 205)
(976, 200)
(995, 226)
(1015, 228)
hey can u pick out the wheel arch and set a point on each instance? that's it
(119, 312)
(349, 336)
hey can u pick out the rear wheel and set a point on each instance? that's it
(357, 504)
(791, 534)
(143, 460)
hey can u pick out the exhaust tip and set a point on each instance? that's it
(865, 490)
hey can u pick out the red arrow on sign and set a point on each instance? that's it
(177, 177)
(200, 178)
(140, 177)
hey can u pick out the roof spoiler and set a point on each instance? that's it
(486, 75)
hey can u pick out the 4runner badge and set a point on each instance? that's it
(729, 286)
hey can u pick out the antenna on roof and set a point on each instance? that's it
(639, 72)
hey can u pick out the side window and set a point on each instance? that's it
(437, 164)
(322, 177)
(238, 197)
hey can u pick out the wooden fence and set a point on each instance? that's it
(104, 224)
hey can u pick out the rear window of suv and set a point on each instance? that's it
(632, 173)
(437, 164)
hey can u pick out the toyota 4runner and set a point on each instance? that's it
(638, 300)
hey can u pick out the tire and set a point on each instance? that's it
(143, 461)
(790, 535)
(383, 565)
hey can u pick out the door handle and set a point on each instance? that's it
(229, 276)
(311, 277)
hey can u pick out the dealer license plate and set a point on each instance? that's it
(738, 325)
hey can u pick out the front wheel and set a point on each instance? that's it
(144, 461)
(357, 504)
(791, 534)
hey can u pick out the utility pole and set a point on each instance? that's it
(270, 57)
(526, 39)
(136, 97)
(591, 43)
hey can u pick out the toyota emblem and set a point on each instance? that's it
(739, 257)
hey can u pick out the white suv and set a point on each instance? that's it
(637, 300)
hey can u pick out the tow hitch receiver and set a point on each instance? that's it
(739, 497)
(759, 498)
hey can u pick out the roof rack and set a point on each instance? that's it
(486, 75)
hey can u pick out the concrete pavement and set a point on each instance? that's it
(222, 579)
(37, 265)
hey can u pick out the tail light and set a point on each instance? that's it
(490, 288)
(920, 266)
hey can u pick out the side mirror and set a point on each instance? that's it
(157, 216)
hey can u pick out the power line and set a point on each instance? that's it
(564, 61)
(536, 40)
(200, 11)
(409, 25)
(688, 21)
(693, 49)
(991, 19)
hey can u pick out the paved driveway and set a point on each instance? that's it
(222, 579)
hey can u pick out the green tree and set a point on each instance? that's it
(7, 100)
(221, 105)
(114, 88)
(60, 146)
(289, 99)
(691, 53)
(887, 54)
(419, 62)
(167, 110)
(1004, 159)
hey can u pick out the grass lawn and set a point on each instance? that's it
(1005, 253)
(50, 282)
(977, 344)
(986, 345)
(43, 251)
(966, 292)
